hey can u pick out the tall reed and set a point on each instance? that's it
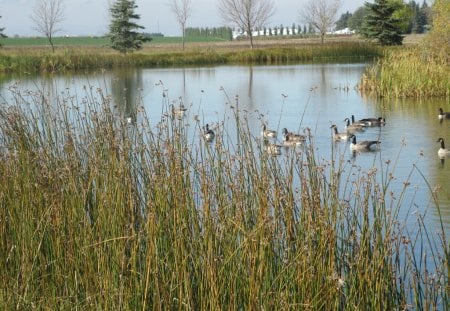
(408, 73)
(98, 213)
(38, 60)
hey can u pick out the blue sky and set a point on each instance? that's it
(90, 17)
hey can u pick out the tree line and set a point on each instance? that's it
(210, 32)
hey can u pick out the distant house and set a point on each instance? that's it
(345, 31)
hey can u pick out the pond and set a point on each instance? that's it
(295, 97)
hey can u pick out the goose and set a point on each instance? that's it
(351, 128)
(265, 133)
(443, 152)
(178, 111)
(365, 145)
(339, 136)
(208, 134)
(273, 149)
(292, 141)
(443, 115)
(358, 123)
(374, 121)
(292, 137)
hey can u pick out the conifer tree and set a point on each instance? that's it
(2, 35)
(380, 23)
(123, 27)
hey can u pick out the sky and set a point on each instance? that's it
(90, 17)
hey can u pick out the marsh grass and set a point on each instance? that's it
(410, 72)
(36, 60)
(100, 214)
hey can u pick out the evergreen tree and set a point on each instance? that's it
(1, 33)
(423, 18)
(380, 23)
(355, 21)
(342, 22)
(123, 34)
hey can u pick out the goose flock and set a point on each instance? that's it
(352, 127)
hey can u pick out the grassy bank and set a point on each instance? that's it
(408, 72)
(41, 60)
(97, 213)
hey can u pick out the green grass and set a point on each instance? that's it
(91, 41)
(410, 72)
(96, 213)
(40, 59)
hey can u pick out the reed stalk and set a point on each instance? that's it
(408, 73)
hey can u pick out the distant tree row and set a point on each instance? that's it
(205, 32)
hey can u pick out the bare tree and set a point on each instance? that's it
(321, 14)
(46, 16)
(247, 15)
(182, 10)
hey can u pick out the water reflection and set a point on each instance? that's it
(126, 89)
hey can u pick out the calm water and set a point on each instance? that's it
(295, 97)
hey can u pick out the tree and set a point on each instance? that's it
(46, 16)
(2, 35)
(439, 36)
(122, 29)
(342, 22)
(404, 13)
(248, 15)
(381, 24)
(421, 18)
(320, 14)
(356, 21)
(182, 11)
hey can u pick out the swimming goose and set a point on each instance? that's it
(365, 145)
(179, 111)
(292, 141)
(443, 115)
(358, 123)
(292, 137)
(351, 128)
(273, 149)
(265, 133)
(339, 136)
(443, 152)
(208, 134)
(374, 121)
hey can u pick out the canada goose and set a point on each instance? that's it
(443, 152)
(374, 121)
(365, 145)
(443, 115)
(351, 128)
(292, 137)
(339, 136)
(208, 134)
(265, 133)
(292, 141)
(358, 123)
(273, 149)
(179, 111)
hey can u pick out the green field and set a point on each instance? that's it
(91, 41)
